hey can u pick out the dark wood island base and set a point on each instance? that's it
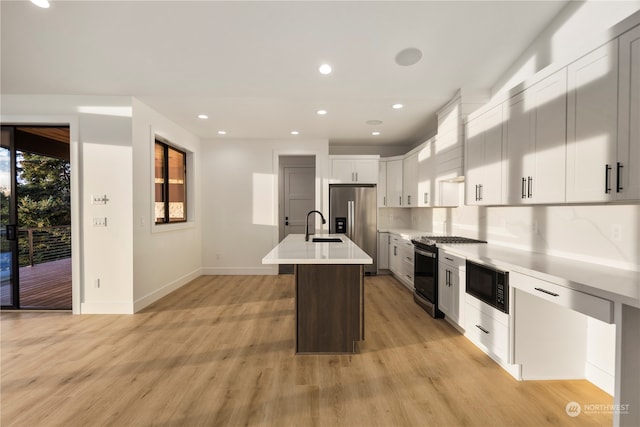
(329, 308)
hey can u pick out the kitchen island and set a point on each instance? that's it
(329, 291)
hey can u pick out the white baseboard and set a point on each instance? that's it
(165, 290)
(106, 308)
(600, 378)
(240, 271)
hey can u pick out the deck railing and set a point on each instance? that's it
(44, 244)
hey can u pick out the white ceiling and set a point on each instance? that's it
(252, 66)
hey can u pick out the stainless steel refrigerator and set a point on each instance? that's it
(353, 210)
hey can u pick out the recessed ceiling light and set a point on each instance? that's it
(41, 3)
(203, 116)
(397, 106)
(375, 133)
(374, 122)
(222, 132)
(295, 132)
(322, 112)
(325, 69)
(409, 56)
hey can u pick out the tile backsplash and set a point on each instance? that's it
(603, 234)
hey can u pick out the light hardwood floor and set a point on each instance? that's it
(220, 352)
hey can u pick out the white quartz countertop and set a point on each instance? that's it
(405, 233)
(295, 250)
(599, 280)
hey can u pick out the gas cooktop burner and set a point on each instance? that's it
(432, 240)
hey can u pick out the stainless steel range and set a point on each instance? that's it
(426, 269)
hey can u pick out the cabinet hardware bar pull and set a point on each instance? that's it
(384, 200)
(356, 176)
(619, 177)
(553, 294)
(480, 191)
(607, 169)
(529, 187)
(408, 200)
(450, 259)
(482, 329)
(476, 192)
(522, 190)
(400, 198)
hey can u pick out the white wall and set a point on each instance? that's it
(101, 164)
(111, 154)
(580, 24)
(165, 256)
(240, 200)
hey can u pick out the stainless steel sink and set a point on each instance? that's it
(326, 240)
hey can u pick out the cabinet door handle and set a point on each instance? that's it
(356, 176)
(395, 251)
(544, 291)
(400, 198)
(480, 191)
(607, 169)
(477, 192)
(408, 200)
(619, 177)
(384, 201)
(426, 198)
(529, 187)
(523, 193)
(482, 329)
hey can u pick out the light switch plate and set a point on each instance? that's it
(99, 200)
(99, 222)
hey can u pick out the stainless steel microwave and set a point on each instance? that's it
(489, 285)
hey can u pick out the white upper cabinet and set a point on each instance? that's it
(627, 185)
(483, 156)
(535, 142)
(592, 126)
(410, 180)
(427, 164)
(349, 169)
(394, 183)
(382, 184)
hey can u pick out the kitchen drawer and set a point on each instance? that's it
(452, 260)
(408, 253)
(487, 310)
(486, 332)
(590, 305)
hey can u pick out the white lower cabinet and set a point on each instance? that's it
(401, 258)
(451, 287)
(488, 329)
(395, 254)
(383, 251)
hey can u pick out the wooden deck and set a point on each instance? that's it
(46, 286)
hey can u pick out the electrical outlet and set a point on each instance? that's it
(99, 221)
(616, 232)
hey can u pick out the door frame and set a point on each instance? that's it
(76, 172)
(13, 219)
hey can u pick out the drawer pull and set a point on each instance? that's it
(553, 294)
(450, 259)
(482, 329)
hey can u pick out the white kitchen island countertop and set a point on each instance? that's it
(295, 250)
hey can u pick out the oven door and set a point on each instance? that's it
(425, 279)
